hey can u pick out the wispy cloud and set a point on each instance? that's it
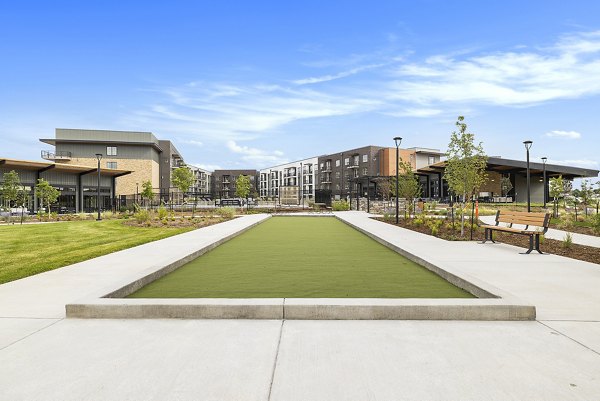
(563, 134)
(584, 163)
(256, 155)
(569, 69)
(331, 77)
(193, 142)
(232, 113)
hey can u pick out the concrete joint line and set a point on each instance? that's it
(570, 338)
(30, 334)
(275, 361)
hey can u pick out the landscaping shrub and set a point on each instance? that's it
(162, 212)
(595, 223)
(142, 216)
(340, 206)
(434, 225)
(565, 221)
(567, 241)
(226, 212)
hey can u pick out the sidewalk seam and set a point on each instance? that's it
(570, 338)
(30, 334)
(276, 359)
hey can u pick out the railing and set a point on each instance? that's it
(60, 155)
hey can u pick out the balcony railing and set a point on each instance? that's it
(60, 155)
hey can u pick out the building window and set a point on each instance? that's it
(365, 158)
(431, 160)
(337, 163)
(111, 164)
(365, 171)
(111, 151)
(346, 186)
(337, 174)
(346, 161)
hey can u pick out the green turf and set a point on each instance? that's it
(301, 257)
(34, 248)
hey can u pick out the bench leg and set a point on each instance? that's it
(488, 236)
(485, 236)
(530, 245)
(537, 243)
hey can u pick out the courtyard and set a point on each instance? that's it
(552, 358)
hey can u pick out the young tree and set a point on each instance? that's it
(408, 186)
(556, 187)
(183, 179)
(586, 194)
(47, 193)
(147, 192)
(384, 188)
(11, 186)
(465, 169)
(242, 187)
(505, 185)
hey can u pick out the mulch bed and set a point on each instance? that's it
(575, 251)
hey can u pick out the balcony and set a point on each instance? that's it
(53, 156)
(353, 166)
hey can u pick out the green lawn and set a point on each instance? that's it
(301, 257)
(34, 248)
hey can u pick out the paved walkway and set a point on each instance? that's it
(559, 235)
(46, 357)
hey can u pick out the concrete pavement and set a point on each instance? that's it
(46, 357)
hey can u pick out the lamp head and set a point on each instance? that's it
(527, 144)
(397, 141)
(99, 156)
(544, 159)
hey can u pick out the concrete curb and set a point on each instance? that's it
(489, 306)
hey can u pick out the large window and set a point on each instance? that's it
(365, 158)
(111, 151)
(337, 163)
(346, 161)
(431, 160)
(111, 165)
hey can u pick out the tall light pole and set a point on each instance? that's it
(99, 157)
(527, 147)
(397, 141)
(544, 159)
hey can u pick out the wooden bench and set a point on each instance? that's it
(539, 221)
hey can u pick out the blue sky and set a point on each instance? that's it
(251, 84)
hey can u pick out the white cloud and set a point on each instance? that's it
(414, 112)
(257, 155)
(343, 74)
(583, 163)
(569, 69)
(564, 134)
(192, 142)
(209, 167)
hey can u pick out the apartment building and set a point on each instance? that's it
(290, 183)
(202, 182)
(224, 182)
(148, 158)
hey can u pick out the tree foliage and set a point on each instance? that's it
(242, 186)
(147, 192)
(47, 193)
(408, 185)
(183, 178)
(11, 186)
(505, 185)
(466, 163)
(384, 187)
(586, 194)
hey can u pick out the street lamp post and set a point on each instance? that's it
(544, 159)
(99, 157)
(527, 147)
(397, 141)
(137, 191)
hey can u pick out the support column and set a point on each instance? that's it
(441, 182)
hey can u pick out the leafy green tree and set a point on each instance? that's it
(408, 186)
(466, 163)
(586, 194)
(556, 186)
(11, 186)
(147, 193)
(183, 179)
(47, 193)
(384, 187)
(243, 187)
(505, 185)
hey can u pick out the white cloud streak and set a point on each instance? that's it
(563, 134)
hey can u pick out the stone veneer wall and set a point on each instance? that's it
(142, 170)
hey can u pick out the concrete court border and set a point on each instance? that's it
(491, 303)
